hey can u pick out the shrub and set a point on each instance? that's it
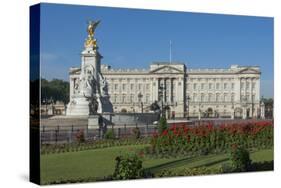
(162, 126)
(109, 134)
(240, 159)
(80, 137)
(128, 167)
(136, 133)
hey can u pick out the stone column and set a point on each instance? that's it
(171, 92)
(244, 115)
(150, 91)
(258, 88)
(262, 110)
(256, 112)
(232, 112)
(237, 88)
(165, 91)
(156, 90)
(251, 97)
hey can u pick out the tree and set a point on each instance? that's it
(162, 125)
(56, 90)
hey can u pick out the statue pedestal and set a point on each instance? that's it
(94, 122)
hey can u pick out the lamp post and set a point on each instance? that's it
(45, 103)
(160, 91)
(140, 100)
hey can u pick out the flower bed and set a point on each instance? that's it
(203, 139)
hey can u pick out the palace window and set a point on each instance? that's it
(232, 86)
(225, 97)
(132, 87)
(242, 85)
(194, 97)
(248, 97)
(114, 98)
(202, 86)
(217, 86)
(225, 86)
(232, 97)
(139, 87)
(247, 85)
(194, 86)
(131, 98)
(209, 97)
(115, 87)
(210, 85)
(253, 97)
(123, 99)
(147, 99)
(202, 97)
(217, 97)
(124, 87)
(147, 86)
(253, 85)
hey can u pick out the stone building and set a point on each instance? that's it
(229, 93)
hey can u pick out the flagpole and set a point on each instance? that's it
(170, 51)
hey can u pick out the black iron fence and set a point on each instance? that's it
(68, 134)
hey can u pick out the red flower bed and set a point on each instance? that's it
(207, 137)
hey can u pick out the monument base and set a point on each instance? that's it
(94, 122)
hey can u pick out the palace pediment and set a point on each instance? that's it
(166, 70)
(248, 71)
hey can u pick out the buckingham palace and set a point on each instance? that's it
(223, 93)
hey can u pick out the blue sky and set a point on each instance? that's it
(133, 38)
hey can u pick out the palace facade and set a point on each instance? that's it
(231, 93)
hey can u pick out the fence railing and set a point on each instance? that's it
(68, 134)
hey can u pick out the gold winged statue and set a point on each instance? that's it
(91, 41)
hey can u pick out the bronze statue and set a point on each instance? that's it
(93, 105)
(92, 27)
(91, 41)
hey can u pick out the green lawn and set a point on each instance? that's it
(101, 162)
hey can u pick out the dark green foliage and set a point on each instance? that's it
(262, 166)
(136, 133)
(57, 90)
(109, 134)
(128, 167)
(162, 125)
(240, 159)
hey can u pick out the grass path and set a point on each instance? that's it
(101, 162)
